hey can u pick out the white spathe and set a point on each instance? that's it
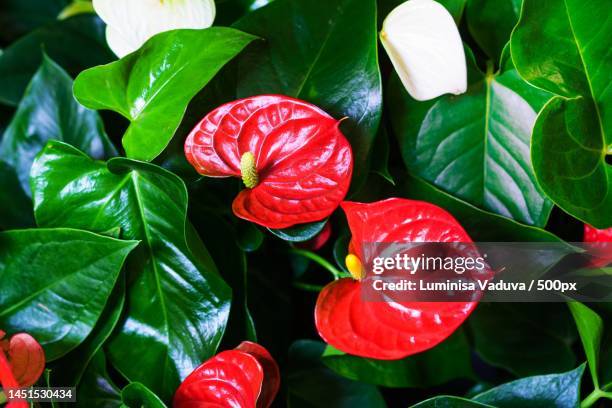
(425, 48)
(132, 22)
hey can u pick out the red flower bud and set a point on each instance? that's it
(246, 377)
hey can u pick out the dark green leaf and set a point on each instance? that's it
(299, 233)
(136, 395)
(313, 52)
(476, 145)
(228, 11)
(446, 401)
(447, 361)
(312, 385)
(232, 264)
(542, 391)
(480, 225)
(568, 154)
(76, 43)
(97, 389)
(48, 111)
(590, 329)
(17, 17)
(380, 153)
(60, 306)
(562, 47)
(524, 338)
(177, 306)
(153, 86)
(69, 370)
(248, 237)
(491, 22)
(16, 209)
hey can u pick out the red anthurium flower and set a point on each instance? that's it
(602, 240)
(291, 155)
(245, 377)
(388, 330)
(22, 361)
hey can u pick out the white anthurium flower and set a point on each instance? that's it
(130, 23)
(425, 48)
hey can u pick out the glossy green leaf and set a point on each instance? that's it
(97, 389)
(562, 47)
(17, 17)
(232, 264)
(299, 233)
(48, 111)
(136, 395)
(16, 209)
(590, 328)
(311, 384)
(153, 86)
(447, 361)
(447, 401)
(568, 156)
(481, 225)
(69, 369)
(491, 22)
(476, 145)
(542, 391)
(75, 44)
(59, 307)
(177, 306)
(524, 338)
(306, 55)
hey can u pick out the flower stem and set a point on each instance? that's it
(307, 287)
(2, 398)
(319, 260)
(593, 397)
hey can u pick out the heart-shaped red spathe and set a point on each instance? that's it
(389, 330)
(246, 377)
(303, 161)
(601, 244)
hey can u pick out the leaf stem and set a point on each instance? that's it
(593, 397)
(319, 260)
(307, 287)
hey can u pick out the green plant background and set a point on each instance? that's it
(93, 190)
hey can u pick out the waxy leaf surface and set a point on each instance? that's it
(152, 86)
(389, 330)
(177, 305)
(304, 163)
(476, 145)
(306, 55)
(73, 288)
(563, 46)
(550, 391)
(48, 111)
(76, 43)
